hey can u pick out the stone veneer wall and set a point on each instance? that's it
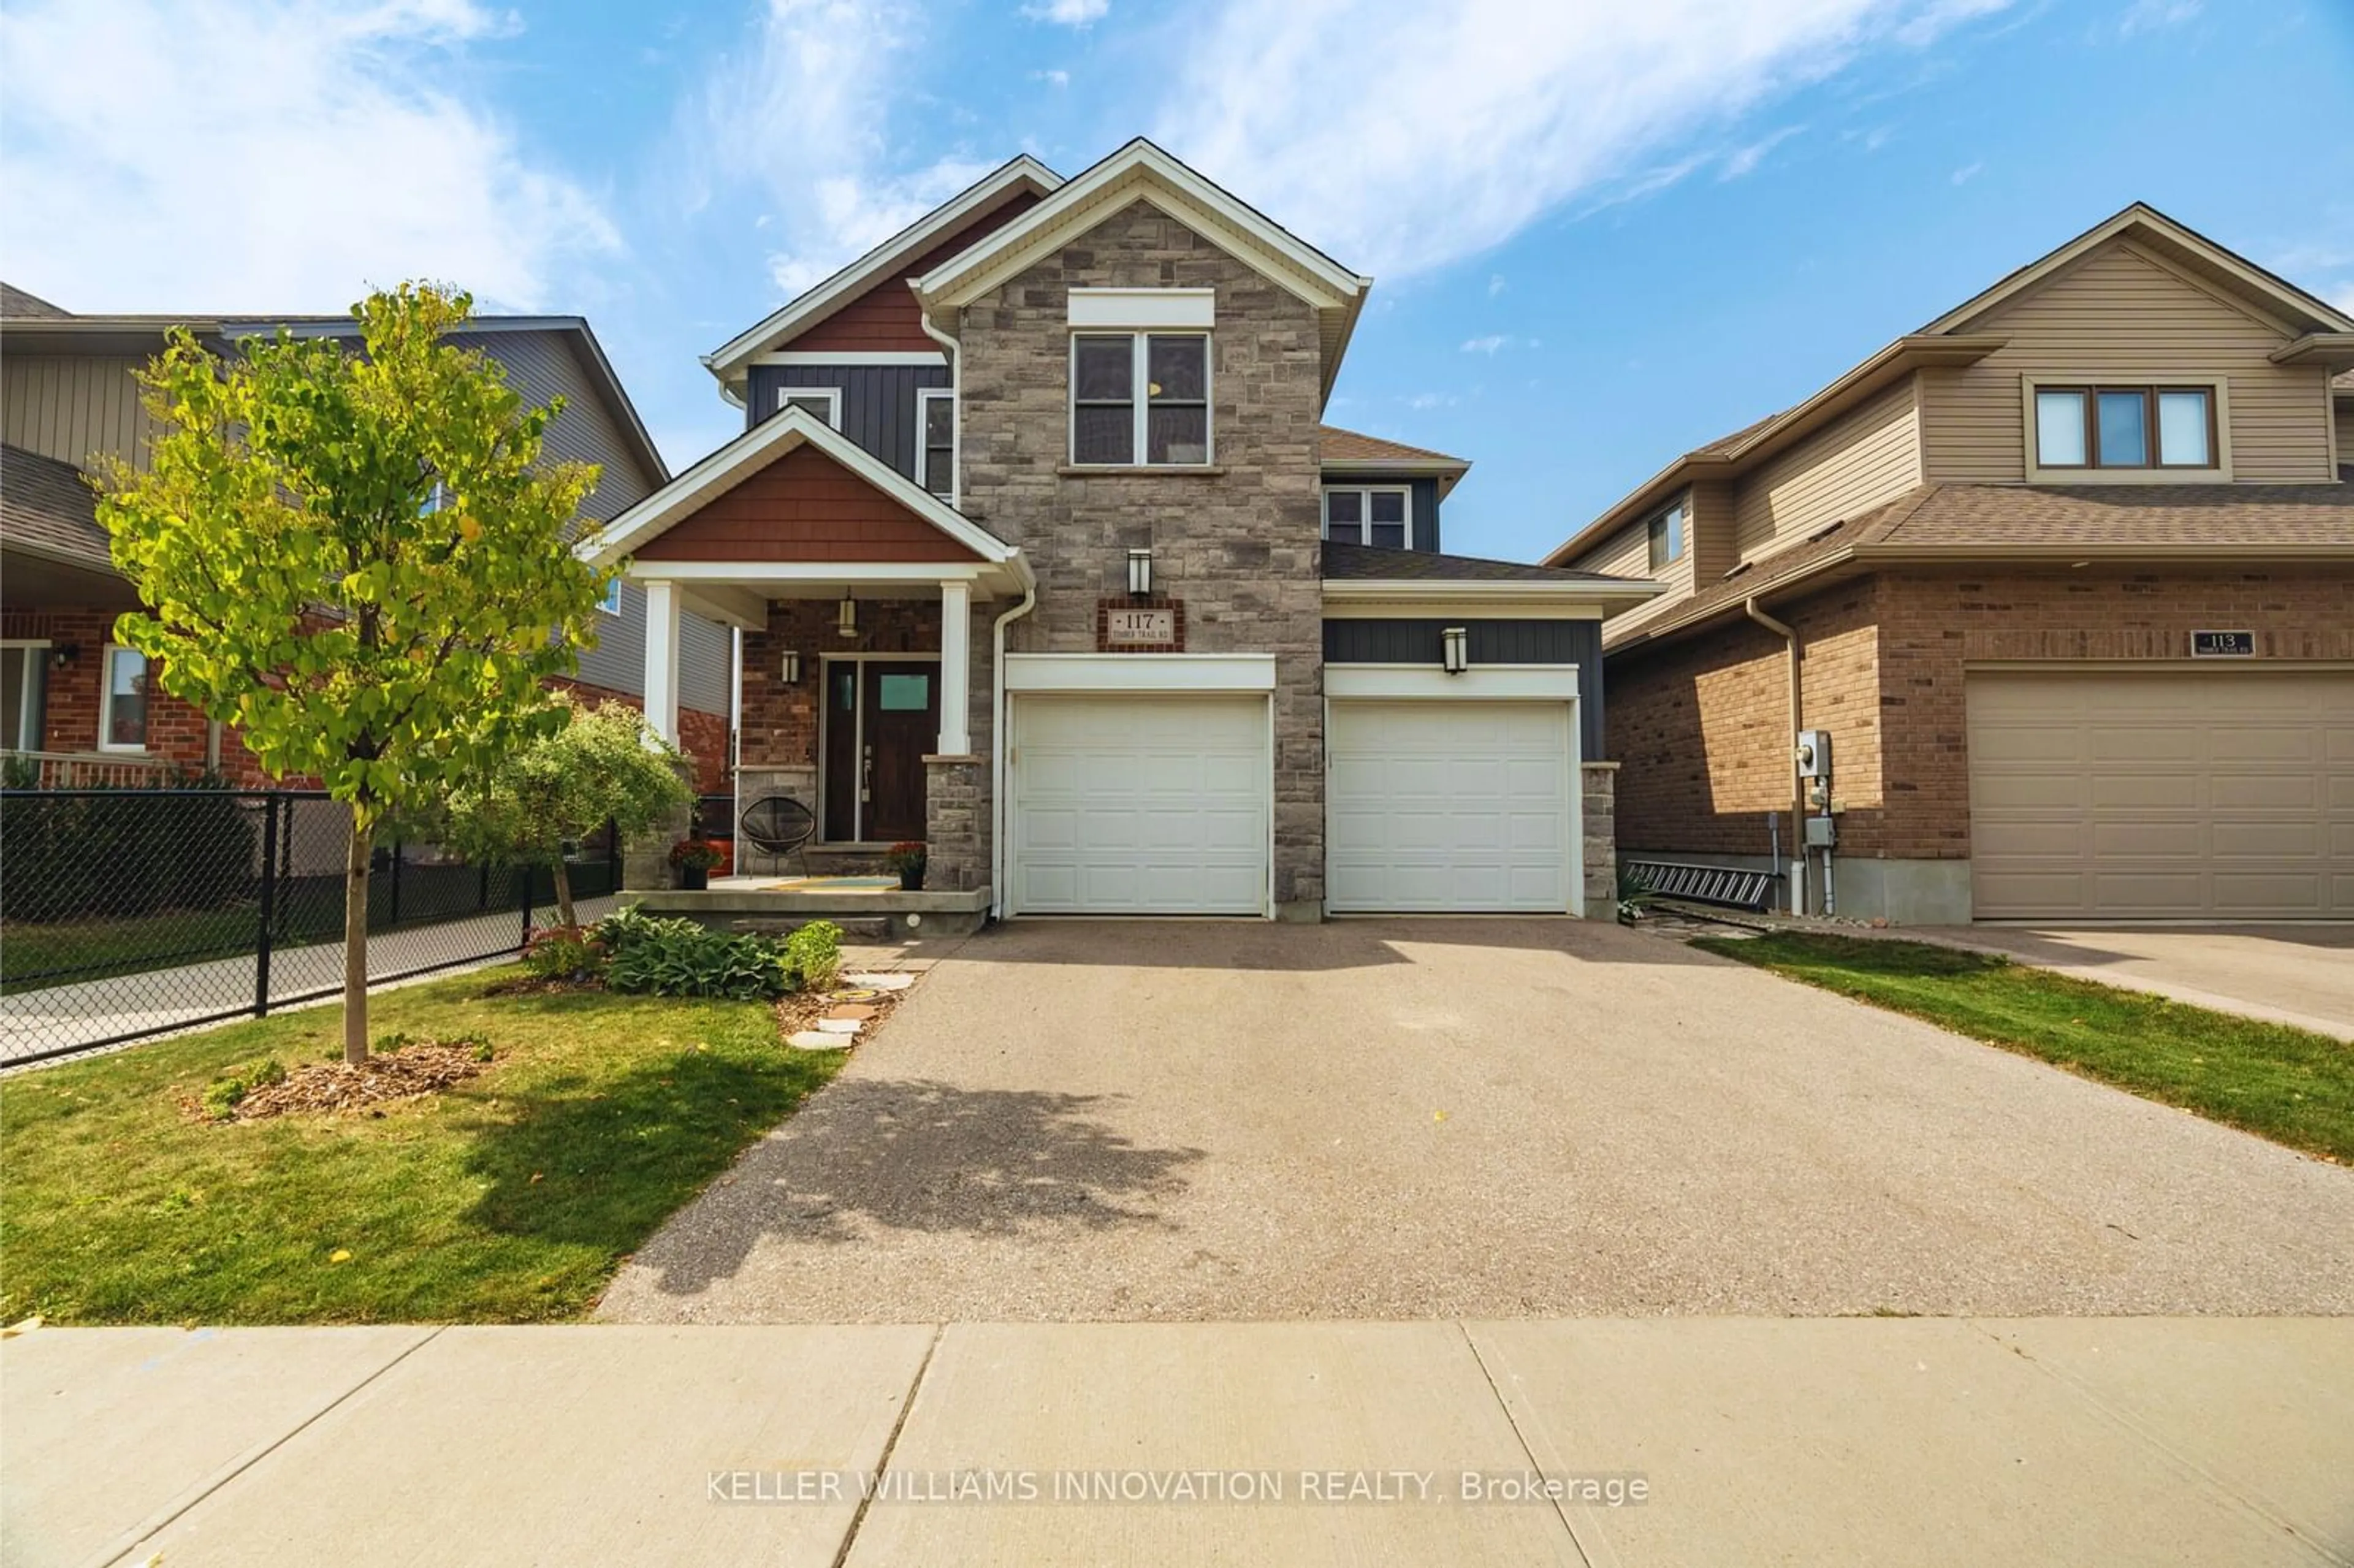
(1237, 542)
(1598, 783)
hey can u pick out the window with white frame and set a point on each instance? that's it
(1666, 536)
(1370, 514)
(1140, 398)
(22, 666)
(2097, 427)
(611, 603)
(826, 402)
(122, 700)
(935, 457)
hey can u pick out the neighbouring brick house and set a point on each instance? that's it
(1042, 553)
(83, 707)
(2067, 577)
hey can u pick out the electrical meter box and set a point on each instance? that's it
(1822, 832)
(1814, 754)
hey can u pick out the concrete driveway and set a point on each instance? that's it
(1466, 1118)
(2300, 974)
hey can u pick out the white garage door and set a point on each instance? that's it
(1139, 805)
(1438, 806)
(2224, 794)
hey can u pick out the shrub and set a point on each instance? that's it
(813, 953)
(226, 1093)
(565, 953)
(681, 957)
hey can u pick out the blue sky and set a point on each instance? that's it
(1600, 234)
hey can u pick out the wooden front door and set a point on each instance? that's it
(881, 718)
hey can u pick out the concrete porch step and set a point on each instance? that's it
(889, 913)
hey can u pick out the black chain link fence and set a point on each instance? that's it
(126, 912)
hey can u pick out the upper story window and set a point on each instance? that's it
(935, 459)
(1140, 398)
(2124, 427)
(826, 402)
(122, 700)
(1667, 532)
(611, 603)
(1370, 514)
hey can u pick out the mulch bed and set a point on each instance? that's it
(423, 1068)
(802, 1009)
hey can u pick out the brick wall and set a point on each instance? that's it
(1238, 544)
(780, 727)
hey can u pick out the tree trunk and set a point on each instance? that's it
(564, 915)
(355, 914)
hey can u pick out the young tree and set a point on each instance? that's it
(356, 559)
(605, 765)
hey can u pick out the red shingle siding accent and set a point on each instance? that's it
(885, 317)
(780, 721)
(804, 507)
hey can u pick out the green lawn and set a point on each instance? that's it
(2288, 1084)
(511, 1198)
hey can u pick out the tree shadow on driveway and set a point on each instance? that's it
(923, 1156)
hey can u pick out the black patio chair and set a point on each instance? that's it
(778, 826)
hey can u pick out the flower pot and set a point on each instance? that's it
(911, 879)
(693, 878)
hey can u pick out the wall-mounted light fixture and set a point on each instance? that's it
(1140, 573)
(788, 669)
(1454, 648)
(845, 620)
(65, 653)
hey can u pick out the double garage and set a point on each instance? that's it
(1442, 794)
(2221, 794)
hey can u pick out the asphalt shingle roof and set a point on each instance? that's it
(17, 304)
(1373, 563)
(1352, 446)
(48, 505)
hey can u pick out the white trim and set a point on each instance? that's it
(839, 574)
(2217, 385)
(30, 677)
(1480, 683)
(106, 702)
(1365, 522)
(727, 360)
(1143, 310)
(832, 395)
(772, 438)
(925, 358)
(1406, 589)
(926, 395)
(956, 669)
(1035, 672)
(662, 660)
(1139, 385)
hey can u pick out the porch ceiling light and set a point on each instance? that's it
(788, 669)
(1454, 648)
(1140, 573)
(845, 620)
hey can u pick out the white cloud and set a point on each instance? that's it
(1969, 171)
(1495, 285)
(1488, 345)
(269, 156)
(802, 112)
(2150, 16)
(1743, 161)
(1069, 13)
(1423, 400)
(1052, 78)
(1401, 136)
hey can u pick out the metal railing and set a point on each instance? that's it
(132, 912)
(83, 769)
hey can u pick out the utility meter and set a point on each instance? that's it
(1814, 754)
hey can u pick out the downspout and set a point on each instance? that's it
(1797, 785)
(955, 351)
(997, 736)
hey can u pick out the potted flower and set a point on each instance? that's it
(693, 859)
(907, 859)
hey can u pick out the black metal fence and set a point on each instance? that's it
(131, 912)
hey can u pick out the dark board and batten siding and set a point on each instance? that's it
(1577, 642)
(878, 401)
(1425, 503)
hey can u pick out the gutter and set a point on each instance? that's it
(1797, 785)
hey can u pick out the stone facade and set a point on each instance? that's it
(1236, 542)
(1598, 783)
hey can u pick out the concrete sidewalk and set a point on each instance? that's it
(1745, 1440)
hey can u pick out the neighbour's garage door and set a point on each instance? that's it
(1440, 805)
(2222, 794)
(1140, 804)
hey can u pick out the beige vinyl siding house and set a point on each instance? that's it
(1628, 554)
(1852, 465)
(69, 405)
(2120, 314)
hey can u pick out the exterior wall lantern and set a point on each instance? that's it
(1140, 573)
(788, 669)
(1454, 648)
(845, 620)
(64, 654)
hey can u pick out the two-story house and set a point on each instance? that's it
(83, 707)
(1042, 553)
(2067, 578)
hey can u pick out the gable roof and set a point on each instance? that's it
(1142, 171)
(1355, 452)
(771, 438)
(15, 303)
(730, 360)
(48, 508)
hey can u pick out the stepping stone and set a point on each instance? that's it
(882, 982)
(840, 1026)
(851, 1010)
(866, 994)
(812, 1040)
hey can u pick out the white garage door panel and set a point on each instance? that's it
(1139, 805)
(2185, 794)
(1448, 806)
